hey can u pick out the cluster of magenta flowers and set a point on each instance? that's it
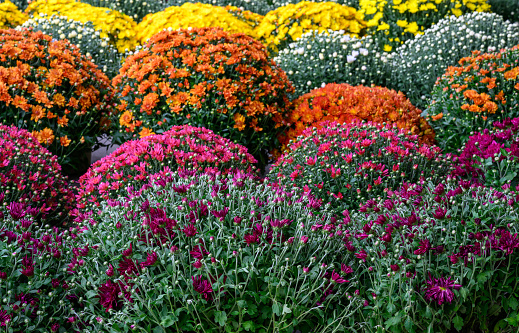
(30, 175)
(491, 157)
(129, 167)
(37, 293)
(432, 245)
(343, 164)
(226, 242)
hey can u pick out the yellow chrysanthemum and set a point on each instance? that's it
(118, 27)
(289, 22)
(10, 16)
(195, 15)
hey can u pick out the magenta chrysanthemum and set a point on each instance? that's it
(440, 290)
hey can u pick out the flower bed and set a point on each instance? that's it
(31, 183)
(482, 89)
(52, 90)
(227, 83)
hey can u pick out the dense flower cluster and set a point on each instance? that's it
(433, 250)
(191, 16)
(349, 3)
(491, 157)
(30, 178)
(417, 64)
(285, 24)
(49, 88)
(37, 292)
(203, 77)
(10, 15)
(261, 7)
(345, 104)
(343, 164)
(482, 89)
(134, 161)
(118, 27)
(225, 243)
(84, 35)
(317, 58)
(251, 18)
(395, 21)
(135, 9)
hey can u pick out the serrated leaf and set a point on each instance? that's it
(458, 323)
(220, 317)
(249, 326)
(393, 321)
(483, 277)
(276, 309)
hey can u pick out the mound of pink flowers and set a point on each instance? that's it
(182, 147)
(343, 164)
(491, 157)
(31, 179)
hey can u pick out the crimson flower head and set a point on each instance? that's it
(128, 252)
(109, 296)
(337, 278)
(424, 247)
(440, 290)
(190, 230)
(16, 210)
(203, 287)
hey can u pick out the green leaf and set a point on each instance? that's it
(428, 313)
(220, 317)
(483, 277)
(286, 309)
(276, 309)
(158, 329)
(513, 303)
(458, 323)
(393, 320)
(169, 320)
(391, 308)
(249, 326)
(409, 326)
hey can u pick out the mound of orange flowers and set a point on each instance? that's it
(49, 88)
(345, 103)
(482, 89)
(203, 77)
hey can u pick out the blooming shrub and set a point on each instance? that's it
(344, 164)
(285, 24)
(345, 104)
(52, 90)
(191, 15)
(84, 35)
(417, 64)
(392, 22)
(118, 27)
(132, 163)
(261, 7)
(30, 178)
(482, 89)
(204, 252)
(318, 58)
(251, 18)
(10, 15)
(135, 9)
(349, 3)
(437, 258)
(491, 157)
(509, 9)
(226, 83)
(37, 292)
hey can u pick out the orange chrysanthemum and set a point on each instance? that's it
(64, 141)
(126, 119)
(64, 82)
(344, 103)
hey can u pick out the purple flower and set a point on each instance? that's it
(190, 230)
(109, 296)
(150, 260)
(16, 210)
(203, 287)
(440, 290)
(425, 246)
(220, 214)
(4, 318)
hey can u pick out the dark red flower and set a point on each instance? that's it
(440, 290)
(109, 296)
(203, 287)
(424, 247)
(190, 230)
